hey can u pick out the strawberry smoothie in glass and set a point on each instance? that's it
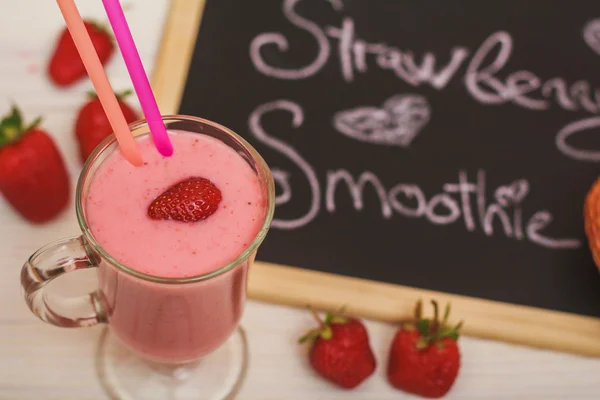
(172, 242)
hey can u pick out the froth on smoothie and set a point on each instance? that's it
(117, 203)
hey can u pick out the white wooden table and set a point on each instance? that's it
(41, 362)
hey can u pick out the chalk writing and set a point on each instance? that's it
(572, 129)
(282, 181)
(353, 55)
(282, 44)
(396, 123)
(356, 190)
(482, 81)
(408, 199)
(283, 148)
(591, 34)
(512, 194)
(337, 5)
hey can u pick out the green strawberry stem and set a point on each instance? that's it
(124, 93)
(434, 330)
(446, 314)
(435, 324)
(120, 95)
(324, 326)
(103, 27)
(419, 310)
(12, 127)
(316, 317)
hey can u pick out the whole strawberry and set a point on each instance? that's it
(33, 177)
(424, 356)
(92, 125)
(66, 66)
(340, 350)
(190, 200)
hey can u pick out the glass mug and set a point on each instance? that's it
(165, 337)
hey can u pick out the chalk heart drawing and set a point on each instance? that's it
(336, 4)
(396, 123)
(513, 193)
(591, 34)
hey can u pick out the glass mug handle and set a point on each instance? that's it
(50, 262)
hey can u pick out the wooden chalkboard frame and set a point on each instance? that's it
(298, 287)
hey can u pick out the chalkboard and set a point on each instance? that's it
(443, 146)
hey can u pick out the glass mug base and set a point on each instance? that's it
(125, 376)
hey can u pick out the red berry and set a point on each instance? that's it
(66, 66)
(424, 357)
(190, 200)
(33, 176)
(92, 125)
(340, 351)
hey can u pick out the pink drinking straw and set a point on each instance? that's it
(94, 68)
(138, 76)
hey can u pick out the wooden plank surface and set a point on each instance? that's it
(393, 303)
(174, 56)
(296, 287)
(41, 362)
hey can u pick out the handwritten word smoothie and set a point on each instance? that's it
(174, 323)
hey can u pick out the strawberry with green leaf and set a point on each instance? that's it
(92, 125)
(33, 176)
(340, 350)
(65, 66)
(424, 356)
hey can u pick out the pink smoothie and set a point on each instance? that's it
(167, 322)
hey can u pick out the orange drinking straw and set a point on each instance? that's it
(94, 68)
